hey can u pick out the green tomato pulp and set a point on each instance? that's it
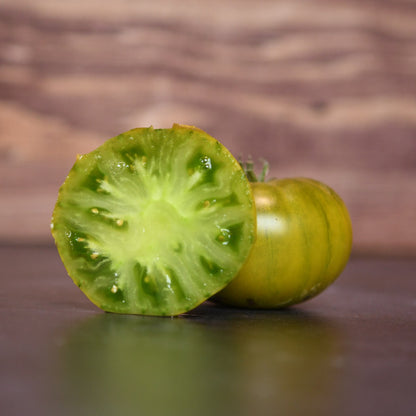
(304, 239)
(154, 221)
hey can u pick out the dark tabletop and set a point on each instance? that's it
(350, 351)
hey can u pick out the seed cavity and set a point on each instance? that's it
(210, 266)
(206, 162)
(224, 236)
(94, 210)
(123, 165)
(119, 222)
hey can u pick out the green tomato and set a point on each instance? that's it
(154, 221)
(304, 239)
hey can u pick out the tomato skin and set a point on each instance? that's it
(304, 238)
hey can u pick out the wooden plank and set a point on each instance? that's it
(321, 89)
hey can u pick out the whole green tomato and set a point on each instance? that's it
(304, 239)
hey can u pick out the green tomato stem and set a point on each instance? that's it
(249, 170)
(264, 171)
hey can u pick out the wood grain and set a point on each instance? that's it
(320, 88)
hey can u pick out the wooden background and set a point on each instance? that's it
(325, 89)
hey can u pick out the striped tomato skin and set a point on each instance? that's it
(304, 239)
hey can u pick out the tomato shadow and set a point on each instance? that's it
(217, 313)
(213, 360)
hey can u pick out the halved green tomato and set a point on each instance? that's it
(154, 221)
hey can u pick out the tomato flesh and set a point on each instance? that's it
(304, 239)
(154, 221)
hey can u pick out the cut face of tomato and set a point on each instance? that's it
(154, 221)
